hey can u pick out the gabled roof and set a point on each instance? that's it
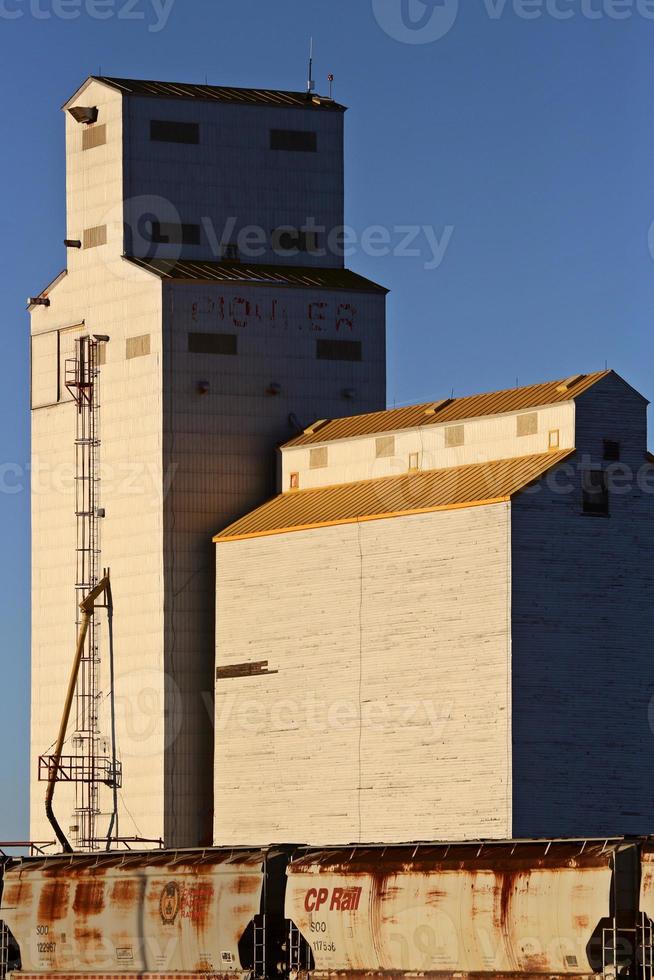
(395, 496)
(258, 275)
(450, 410)
(215, 93)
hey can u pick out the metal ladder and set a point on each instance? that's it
(299, 951)
(646, 951)
(4, 950)
(610, 951)
(260, 946)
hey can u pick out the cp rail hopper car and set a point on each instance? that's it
(546, 909)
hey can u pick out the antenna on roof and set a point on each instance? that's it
(330, 79)
(311, 85)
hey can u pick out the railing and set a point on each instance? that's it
(78, 769)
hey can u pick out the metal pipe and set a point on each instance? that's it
(113, 826)
(87, 606)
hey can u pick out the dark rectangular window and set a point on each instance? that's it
(612, 451)
(297, 140)
(338, 350)
(164, 131)
(212, 343)
(595, 493)
(164, 233)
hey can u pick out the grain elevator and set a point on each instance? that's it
(201, 268)
(448, 614)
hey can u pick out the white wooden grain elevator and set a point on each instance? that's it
(215, 355)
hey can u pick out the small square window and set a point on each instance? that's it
(318, 458)
(137, 346)
(385, 447)
(554, 439)
(93, 237)
(94, 136)
(611, 451)
(527, 425)
(595, 493)
(294, 482)
(454, 436)
(414, 461)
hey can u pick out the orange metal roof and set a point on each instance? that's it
(395, 496)
(259, 275)
(451, 410)
(219, 93)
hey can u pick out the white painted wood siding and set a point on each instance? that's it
(386, 715)
(232, 180)
(583, 621)
(492, 437)
(220, 453)
(132, 493)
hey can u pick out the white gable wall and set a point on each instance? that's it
(583, 620)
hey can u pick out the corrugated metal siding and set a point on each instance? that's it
(385, 712)
(449, 410)
(583, 619)
(411, 492)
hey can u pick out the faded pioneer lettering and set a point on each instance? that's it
(242, 312)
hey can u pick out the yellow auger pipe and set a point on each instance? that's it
(87, 606)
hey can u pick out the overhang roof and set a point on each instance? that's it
(300, 277)
(395, 496)
(45, 292)
(449, 410)
(215, 93)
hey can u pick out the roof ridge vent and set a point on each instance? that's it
(570, 382)
(436, 407)
(316, 426)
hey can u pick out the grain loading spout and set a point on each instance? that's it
(87, 607)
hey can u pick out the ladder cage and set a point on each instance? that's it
(4, 950)
(89, 768)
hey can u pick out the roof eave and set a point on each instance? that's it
(45, 292)
(324, 102)
(83, 87)
(610, 372)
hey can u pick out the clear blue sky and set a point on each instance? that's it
(532, 138)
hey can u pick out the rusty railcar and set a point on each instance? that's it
(541, 909)
(571, 910)
(187, 914)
